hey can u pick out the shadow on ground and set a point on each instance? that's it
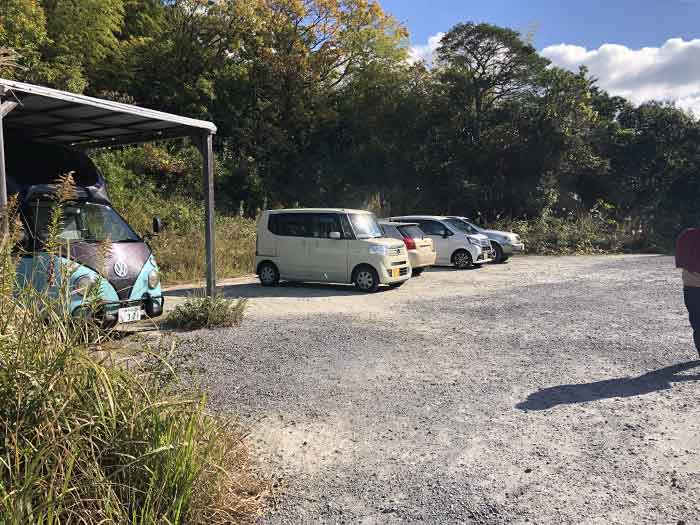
(623, 387)
(285, 289)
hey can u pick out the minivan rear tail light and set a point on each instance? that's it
(410, 243)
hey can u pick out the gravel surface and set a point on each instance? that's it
(545, 390)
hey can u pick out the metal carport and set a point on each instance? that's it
(49, 115)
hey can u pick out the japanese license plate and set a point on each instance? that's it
(130, 314)
(395, 272)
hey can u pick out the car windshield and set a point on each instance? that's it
(462, 226)
(81, 221)
(365, 225)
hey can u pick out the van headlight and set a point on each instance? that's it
(378, 250)
(153, 279)
(473, 241)
(82, 284)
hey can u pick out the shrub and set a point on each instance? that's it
(85, 439)
(207, 312)
(179, 250)
(586, 233)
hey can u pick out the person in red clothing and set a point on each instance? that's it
(688, 258)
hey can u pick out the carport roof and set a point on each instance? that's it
(50, 115)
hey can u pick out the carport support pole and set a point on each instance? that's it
(4, 223)
(206, 147)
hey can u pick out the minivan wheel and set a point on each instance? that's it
(366, 279)
(462, 259)
(268, 274)
(415, 272)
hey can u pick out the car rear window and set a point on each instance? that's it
(390, 231)
(414, 232)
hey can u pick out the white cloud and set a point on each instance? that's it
(427, 51)
(670, 72)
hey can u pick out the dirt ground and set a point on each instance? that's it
(546, 390)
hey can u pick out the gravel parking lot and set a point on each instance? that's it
(545, 390)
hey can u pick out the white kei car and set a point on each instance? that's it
(453, 243)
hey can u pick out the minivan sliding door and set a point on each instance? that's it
(328, 257)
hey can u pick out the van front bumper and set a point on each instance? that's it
(107, 313)
(394, 272)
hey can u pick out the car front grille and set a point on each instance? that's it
(403, 271)
(398, 263)
(485, 243)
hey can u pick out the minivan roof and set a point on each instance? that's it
(317, 210)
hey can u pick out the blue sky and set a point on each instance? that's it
(640, 49)
(591, 23)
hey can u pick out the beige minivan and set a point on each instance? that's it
(328, 245)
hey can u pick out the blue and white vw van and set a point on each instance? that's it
(129, 280)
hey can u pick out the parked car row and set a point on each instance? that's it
(351, 246)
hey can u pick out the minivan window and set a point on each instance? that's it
(414, 232)
(322, 224)
(365, 225)
(290, 224)
(82, 221)
(345, 225)
(461, 225)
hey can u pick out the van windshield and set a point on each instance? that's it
(365, 225)
(82, 221)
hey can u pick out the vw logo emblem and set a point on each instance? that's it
(121, 269)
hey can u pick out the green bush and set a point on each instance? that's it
(583, 233)
(207, 312)
(86, 439)
(143, 183)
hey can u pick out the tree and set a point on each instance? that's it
(23, 31)
(487, 65)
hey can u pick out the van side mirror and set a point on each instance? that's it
(157, 225)
(21, 243)
(334, 235)
(446, 234)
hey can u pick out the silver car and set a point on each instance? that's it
(505, 244)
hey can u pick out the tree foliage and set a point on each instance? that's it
(317, 104)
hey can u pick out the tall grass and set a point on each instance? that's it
(180, 254)
(136, 194)
(85, 439)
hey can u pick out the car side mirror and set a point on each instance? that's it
(446, 234)
(334, 235)
(157, 225)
